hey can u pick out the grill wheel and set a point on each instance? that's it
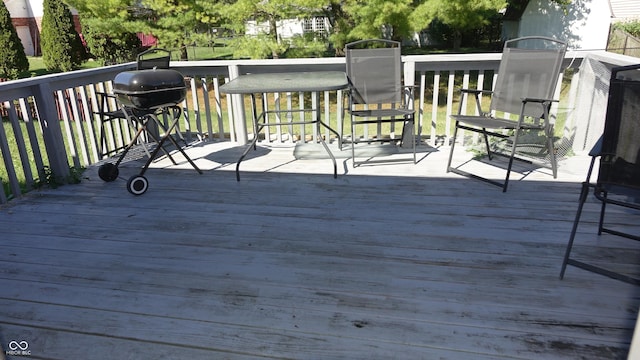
(137, 184)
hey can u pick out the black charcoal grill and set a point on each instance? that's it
(149, 89)
(143, 94)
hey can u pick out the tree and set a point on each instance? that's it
(174, 23)
(341, 22)
(380, 18)
(105, 9)
(239, 12)
(107, 28)
(109, 42)
(62, 49)
(460, 15)
(13, 60)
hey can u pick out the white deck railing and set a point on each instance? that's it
(50, 121)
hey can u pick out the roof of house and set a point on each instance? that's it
(620, 9)
(623, 9)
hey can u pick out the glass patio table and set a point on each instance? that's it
(313, 82)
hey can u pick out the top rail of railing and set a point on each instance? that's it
(50, 121)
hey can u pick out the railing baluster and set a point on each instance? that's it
(79, 133)
(193, 84)
(219, 117)
(21, 144)
(434, 107)
(14, 185)
(32, 133)
(207, 107)
(64, 112)
(450, 96)
(87, 116)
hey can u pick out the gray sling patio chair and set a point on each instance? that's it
(376, 93)
(527, 76)
(618, 181)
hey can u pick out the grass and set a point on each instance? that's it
(216, 52)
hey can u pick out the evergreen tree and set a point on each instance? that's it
(460, 15)
(110, 27)
(13, 60)
(62, 49)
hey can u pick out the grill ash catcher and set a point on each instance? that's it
(143, 94)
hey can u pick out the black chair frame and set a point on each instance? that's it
(618, 181)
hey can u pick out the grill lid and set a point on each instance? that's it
(139, 82)
(150, 89)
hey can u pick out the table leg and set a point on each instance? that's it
(318, 121)
(256, 131)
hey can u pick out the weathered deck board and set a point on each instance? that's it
(387, 261)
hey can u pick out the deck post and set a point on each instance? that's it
(409, 76)
(238, 115)
(52, 133)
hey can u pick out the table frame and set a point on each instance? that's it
(313, 82)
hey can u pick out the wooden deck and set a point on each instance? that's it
(388, 261)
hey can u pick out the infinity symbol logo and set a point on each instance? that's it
(15, 345)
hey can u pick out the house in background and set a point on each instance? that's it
(584, 26)
(289, 28)
(26, 16)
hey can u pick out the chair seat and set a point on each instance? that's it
(494, 123)
(382, 112)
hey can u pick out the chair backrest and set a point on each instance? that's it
(374, 71)
(154, 58)
(620, 151)
(529, 68)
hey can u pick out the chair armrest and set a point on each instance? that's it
(409, 88)
(354, 96)
(104, 109)
(475, 91)
(103, 98)
(539, 100)
(476, 95)
(546, 105)
(104, 95)
(409, 92)
(596, 150)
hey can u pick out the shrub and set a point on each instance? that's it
(110, 46)
(632, 27)
(62, 49)
(13, 59)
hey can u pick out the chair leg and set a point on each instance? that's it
(486, 143)
(513, 154)
(552, 153)
(602, 211)
(103, 140)
(576, 221)
(413, 138)
(353, 143)
(409, 135)
(340, 137)
(453, 144)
